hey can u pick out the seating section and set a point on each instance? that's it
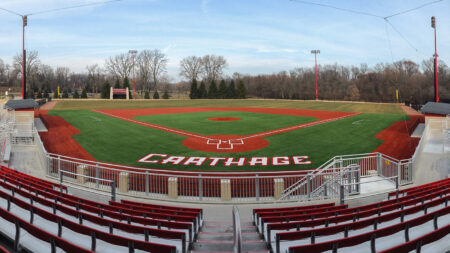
(42, 216)
(414, 218)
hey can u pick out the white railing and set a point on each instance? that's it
(224, 186)
(370, 164)
(349, 176)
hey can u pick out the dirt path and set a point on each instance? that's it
(410, 111)
(48, 106)
(58, 139)
(398, 142)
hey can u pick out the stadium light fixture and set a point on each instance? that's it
(315, 52)
(133, 53)
(436, 87)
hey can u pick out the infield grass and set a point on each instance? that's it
(249, 123)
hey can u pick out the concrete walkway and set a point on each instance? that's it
(48, 106)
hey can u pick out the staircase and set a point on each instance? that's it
(217, 236)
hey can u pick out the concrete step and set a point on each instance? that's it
(227, 236)
(217, 236)
(227, 246)
(227, 229)
(226, 223)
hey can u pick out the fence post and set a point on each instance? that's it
(146, 183)
(278, 188)
(257, 187)
(396, 188)
(60, 181)
(379, 165)
(308, 186)
(113, 190)
(200, 187)
(325, 190)
(97, 174)
(357, 179)
(172, 187)
(399, 172)
(341, 194)
(349, 179)
(59, 163)
(47, 161)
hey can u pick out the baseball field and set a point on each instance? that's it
(223, 135)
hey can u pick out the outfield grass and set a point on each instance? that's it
(113, 140)
(265, 103)
(249, 123)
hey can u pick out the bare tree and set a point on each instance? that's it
(157, 65)
(32, 64)
(94, 76)
(119, 66)
(152, 65)
(2, 71)
(213, 67)
(143, 60)
(191, 67)
(62, 76)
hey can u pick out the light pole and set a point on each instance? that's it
(315, 52)
(24, 75)
(24, 23)
(133, 53)
(436, 87)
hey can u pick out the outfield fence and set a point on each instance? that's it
(338, 178)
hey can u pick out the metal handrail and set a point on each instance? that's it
(237, 232)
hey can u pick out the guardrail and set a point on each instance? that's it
(370, 164)
(74, 178)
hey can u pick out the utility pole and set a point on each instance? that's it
(24, 75)
(315, 52)
(133, 53)
(436, 87)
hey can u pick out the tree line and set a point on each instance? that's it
(414, 82)
(224, 91)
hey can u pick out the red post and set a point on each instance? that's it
(134, 90)
(317, 90)
(23, 57)
(435, 65)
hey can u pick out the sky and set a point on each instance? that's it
(254, 36)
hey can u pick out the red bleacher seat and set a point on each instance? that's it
(64, 209)
(317, 229)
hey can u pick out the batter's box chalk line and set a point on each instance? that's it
(225, 144)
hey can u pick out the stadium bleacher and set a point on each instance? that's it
(74, 224)
(416, 217)
(42, 215)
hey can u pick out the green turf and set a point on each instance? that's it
(113, 140)
(249, 123)
(265, 103)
